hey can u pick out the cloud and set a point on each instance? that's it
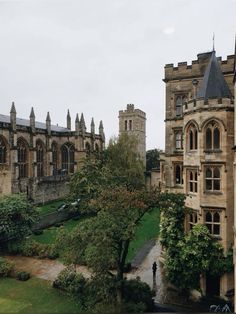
(169, 30)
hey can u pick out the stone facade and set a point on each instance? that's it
(133, 121)
(37, 158)
(198, 158)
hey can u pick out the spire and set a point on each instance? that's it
(48, 124)
(213, 84)
(82, 124)
(68, 119)
(213, 41)
(13, 116)
(32, 115)
(101, 131)
(92, 127)
(77, 123)
(32, 120)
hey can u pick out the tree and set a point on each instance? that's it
(17, 217)
(152, 159)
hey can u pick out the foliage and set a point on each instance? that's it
(5, 267)
(33, 248)
(70, 281)
(23, 276)
(152, 159)
(17, 217)
(187, 256)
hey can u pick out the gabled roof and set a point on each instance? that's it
(213, 84)
(38, 125)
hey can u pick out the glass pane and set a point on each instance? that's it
(195, 176)
(208, 184)
(216, 138)
(191, 175)
(208, 139)
(195, 139)
(216, 229)
(195, 187)
(216, 172)
(191, 139)
(209, 228)
(208, 173)
(217, 185)
(177, 174)
(208, 216)
(216, 217)
(195, 218)
(191, 186)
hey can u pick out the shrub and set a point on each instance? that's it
(38, 232)
(71, 281)
(5, 267)
(23, 275)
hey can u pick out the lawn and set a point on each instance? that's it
(147, 229)
(34, 296)
(49, 207)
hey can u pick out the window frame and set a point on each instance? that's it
(192, 181)
(213, 224)
(212, 180)
(22, 162)
(192, 138)
(211, 144)
(3, 151)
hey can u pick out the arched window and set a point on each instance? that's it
(22, 156)
(192, 137)
(192, 181)
(3, 151)
(212, 178)
(54, 158)
(178, 174)
(212, 220)
(88, 149)
(68, 157)
(212, 136)
(39, 158)
(192, 220)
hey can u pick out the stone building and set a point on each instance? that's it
(198, 159)
(133, 121)
(37, 158)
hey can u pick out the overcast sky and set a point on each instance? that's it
(95, 56)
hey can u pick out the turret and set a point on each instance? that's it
(68, 118)
(13, 116)
(32, 120)
(48, 124)
(77, 123)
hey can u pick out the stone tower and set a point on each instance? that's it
(133, 121)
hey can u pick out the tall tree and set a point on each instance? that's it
(152, 159)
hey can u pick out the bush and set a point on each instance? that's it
(71, 281)
(38, 232)
(5, 267)
(23, 275)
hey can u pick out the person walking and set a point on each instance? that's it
(154, 269)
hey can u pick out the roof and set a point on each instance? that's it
(38, 125)
(213, 84)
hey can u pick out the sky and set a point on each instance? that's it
(97, 56)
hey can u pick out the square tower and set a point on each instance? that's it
(133, 122)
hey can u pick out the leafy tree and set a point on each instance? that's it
(17, 217)
(152, 159)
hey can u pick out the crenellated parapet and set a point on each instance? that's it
(197, 67)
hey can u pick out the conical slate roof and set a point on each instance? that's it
(213, 84)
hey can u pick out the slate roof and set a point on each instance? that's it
(213, 84)
(38, 125)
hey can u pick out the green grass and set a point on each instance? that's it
(34, 296)
(49, 235)
(147, 229)
(49, 207)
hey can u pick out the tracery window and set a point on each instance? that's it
(192, 181)
(39, 158)
(212, 136)
(212, 221)
(178, 140)
(212, 178)
(192, 220)
(179, 102)
(68, 157)
(22, 156)
(192, 137)
(178, 174)
(54, 158)
(3, 151)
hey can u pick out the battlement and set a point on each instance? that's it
(194, 104)
(197, 67)
(130, 109)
